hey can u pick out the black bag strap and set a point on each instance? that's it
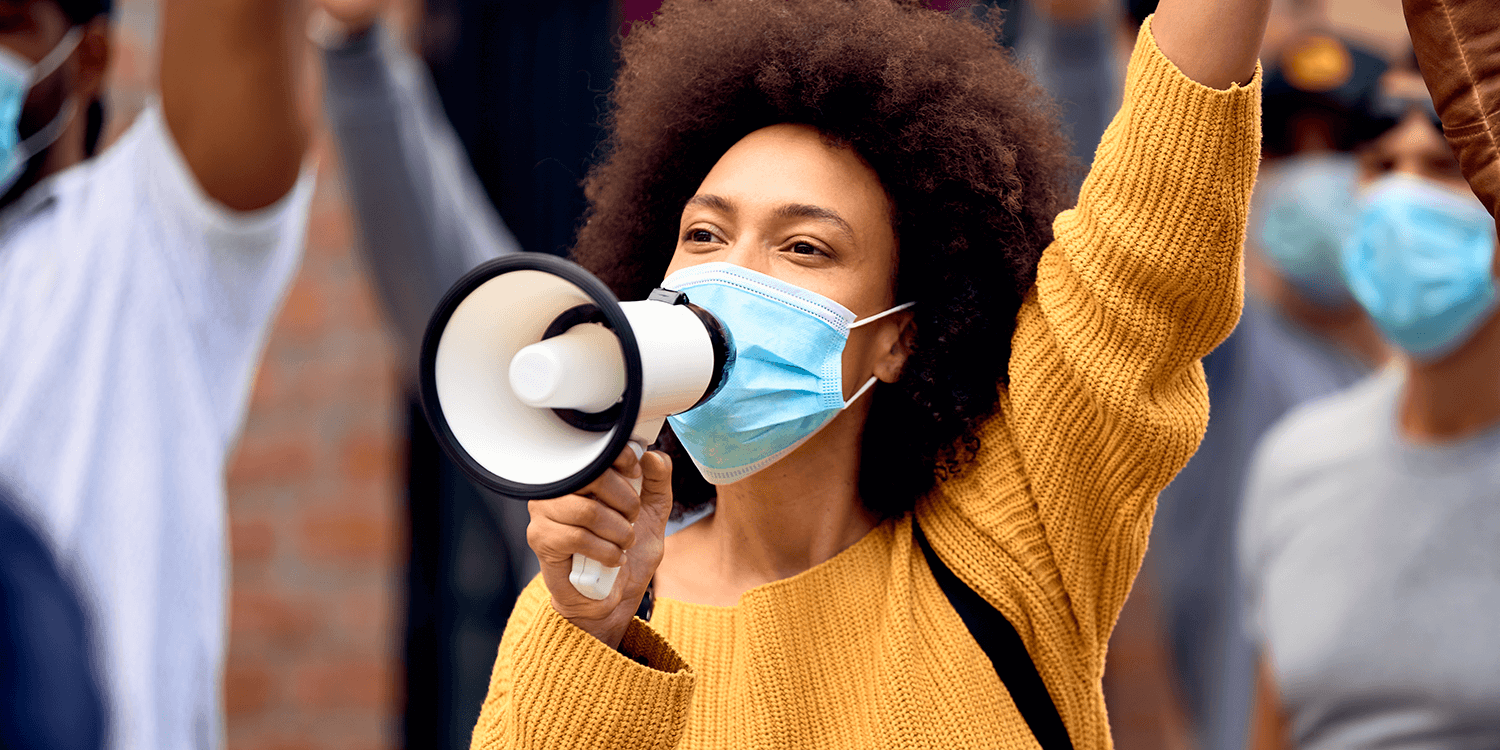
(1006, 650)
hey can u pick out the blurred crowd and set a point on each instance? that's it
(1321, 575)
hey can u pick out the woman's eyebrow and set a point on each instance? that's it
(785, 211)
(816, 213)
(708, 200)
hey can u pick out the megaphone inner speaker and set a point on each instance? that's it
(508, 446)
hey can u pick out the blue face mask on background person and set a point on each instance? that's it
(1303, 213)
(1420, 263)
(787, 381)
(17, 76)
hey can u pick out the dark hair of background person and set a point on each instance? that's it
(968, 148)
(51, 692)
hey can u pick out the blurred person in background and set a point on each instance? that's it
(425, 217)
(136, 287)
(1074, 49)
(1302, 336)
(48, 680)
(1370, 537)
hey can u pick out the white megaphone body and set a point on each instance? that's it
(535, 377)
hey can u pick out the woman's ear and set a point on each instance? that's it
(897, 340)
(93, 60)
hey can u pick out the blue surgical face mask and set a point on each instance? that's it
(1420, 263)
(1303, 213)
(787, 381)
(17, 76)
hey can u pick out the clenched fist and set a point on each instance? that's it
(608, 522)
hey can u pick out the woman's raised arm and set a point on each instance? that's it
(1213, 42)
(1106, 400)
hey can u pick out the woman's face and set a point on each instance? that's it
(784, 202)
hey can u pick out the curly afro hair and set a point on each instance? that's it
(967, 146)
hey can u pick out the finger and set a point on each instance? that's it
(656, 482)
(587, 513)
(615, 491)
(627, 463)
(556, 543)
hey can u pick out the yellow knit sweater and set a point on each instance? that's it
(1106, 403)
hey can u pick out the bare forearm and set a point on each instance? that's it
(1268, 729)
(229, 70)
(1213, 42)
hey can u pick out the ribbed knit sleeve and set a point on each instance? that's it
(1107, 399)
(554, 685)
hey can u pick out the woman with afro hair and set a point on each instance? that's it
(844, 158)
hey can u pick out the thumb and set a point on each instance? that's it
(656, 483)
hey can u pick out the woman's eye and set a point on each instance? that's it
(803, 248)
(700, 235)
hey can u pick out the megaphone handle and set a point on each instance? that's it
(589, 576)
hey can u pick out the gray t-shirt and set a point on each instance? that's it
(1265, 368)
(1372, 570)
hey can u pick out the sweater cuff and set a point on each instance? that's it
(1184, 117)
(1176, 148)
(574, 691)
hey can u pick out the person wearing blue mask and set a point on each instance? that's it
(943, 382)
(137, 283)
(1301, 337)
(1370, 541)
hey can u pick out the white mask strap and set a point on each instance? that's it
(867, 386)
(54, 59)
(871, 382)
(878, 316)
(37, 141)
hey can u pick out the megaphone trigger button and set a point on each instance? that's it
(669, 296)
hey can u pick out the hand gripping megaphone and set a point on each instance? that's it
(535, 377)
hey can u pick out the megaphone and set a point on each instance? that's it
(535, 377)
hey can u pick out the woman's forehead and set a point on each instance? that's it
(796, 165)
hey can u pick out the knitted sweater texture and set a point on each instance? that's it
(1049, 523)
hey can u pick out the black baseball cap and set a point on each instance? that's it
(1323, 79)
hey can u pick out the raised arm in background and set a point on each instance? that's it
(1074, 44)
(423, 216)
(228, 75)
(1457, 43)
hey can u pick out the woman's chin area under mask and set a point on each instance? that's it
(789, 517)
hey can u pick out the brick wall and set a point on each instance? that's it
(313, 505)
(314, 488)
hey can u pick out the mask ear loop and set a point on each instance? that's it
(34, 144)
(867, 386)
(877, 316)
(54, 59)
